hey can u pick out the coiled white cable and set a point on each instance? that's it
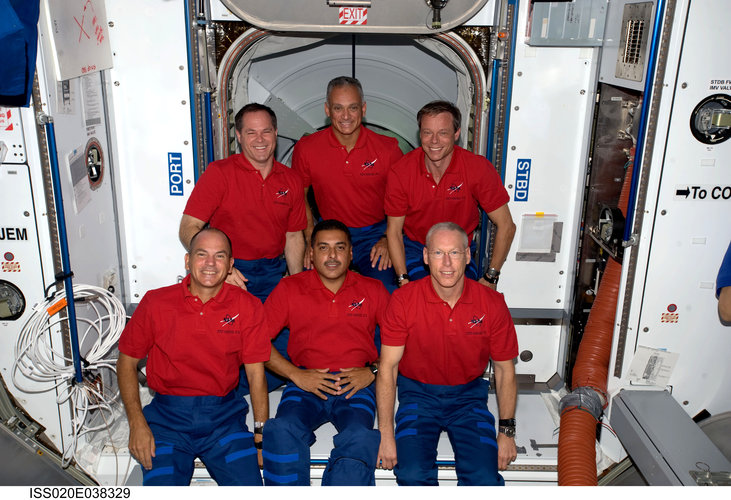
(38, 360)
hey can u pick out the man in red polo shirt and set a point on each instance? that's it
(439, 333)
(440, 182)
(195, 336)
(347, 164)
(332, 314)
(259, 203)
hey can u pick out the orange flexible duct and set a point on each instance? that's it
(577, 435)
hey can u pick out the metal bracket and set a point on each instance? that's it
(43, 118)
(711, 478)
(23, 429)
(536, 446)
(200, 89)
(349, 3)
(632, 241)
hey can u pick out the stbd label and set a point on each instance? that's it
(522, 180)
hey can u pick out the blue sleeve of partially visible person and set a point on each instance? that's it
(724, 274)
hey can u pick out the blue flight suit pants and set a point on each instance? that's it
(363, 240)
(263, 276)
(424, 411)
(416, 268)
(288, 437)
(212, 428)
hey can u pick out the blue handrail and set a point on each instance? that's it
(191, 91)
(209, 128)
(489, 153)
(64, 243)
(646, 99)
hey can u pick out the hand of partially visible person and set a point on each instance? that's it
(506, 451)
(236, 278)
(379, 255)
(307, 261)
(387, 458)
(354, 379)
(142, 443)
(318, 382)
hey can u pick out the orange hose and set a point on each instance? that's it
(576, 452)
(577, 435)
(591, 368)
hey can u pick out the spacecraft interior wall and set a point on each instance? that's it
(553, 94)
(675, 339)
(153, 141)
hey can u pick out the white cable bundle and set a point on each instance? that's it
(37, 360)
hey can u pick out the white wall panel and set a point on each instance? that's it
(150, 110)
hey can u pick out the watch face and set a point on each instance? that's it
(508, 431)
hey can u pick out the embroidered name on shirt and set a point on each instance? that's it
(366, 168)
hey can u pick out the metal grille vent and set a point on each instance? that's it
(634, 31)
(634, 34)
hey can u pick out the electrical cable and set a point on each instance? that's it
(38, 361)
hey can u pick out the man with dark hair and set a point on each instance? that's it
(253, 107)
(332, 315)
(439, 333)
(259, 203)
(438, 182)
(346, 164)
(195, 336)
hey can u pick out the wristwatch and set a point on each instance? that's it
(402, 277)
(507, 427)
(258, 427)
(373, 367)
(492, 276)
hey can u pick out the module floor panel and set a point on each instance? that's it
(536, 438)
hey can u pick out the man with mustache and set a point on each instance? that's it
(332, 315)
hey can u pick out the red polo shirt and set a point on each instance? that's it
(327, 330)
(348, 186)
(446, 346)
(469, 181)
(255, 213)
(196, 349)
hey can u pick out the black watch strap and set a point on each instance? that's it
(492, 276)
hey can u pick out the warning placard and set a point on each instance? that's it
(6, 115)
(353, 15)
